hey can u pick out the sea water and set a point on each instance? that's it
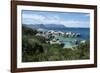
(68, 41)
(84, 35)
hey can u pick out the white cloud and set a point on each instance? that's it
(33, 16)
(54, 20)
(73, 23)
(41, 18)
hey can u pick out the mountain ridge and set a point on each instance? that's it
(48, 26)
(44, 26)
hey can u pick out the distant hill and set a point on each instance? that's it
(35, 26)
(55, 26)
(45, 26)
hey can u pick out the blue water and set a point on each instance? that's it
(84, 32)
(84, 35)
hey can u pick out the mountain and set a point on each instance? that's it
(36, 26)
(45, 26)
(54, 26)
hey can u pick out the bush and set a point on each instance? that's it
(31, 46)
(41, 39)
(35, 49)
(28, 31)
(84, 50)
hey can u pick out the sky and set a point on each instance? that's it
(68, 19)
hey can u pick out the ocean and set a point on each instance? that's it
(84, 32)
(68, 42)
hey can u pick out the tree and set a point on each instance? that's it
(28, 31)
(84, 50)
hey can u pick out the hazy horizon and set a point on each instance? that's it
(68, 19)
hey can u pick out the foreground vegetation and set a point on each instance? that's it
(35, 49)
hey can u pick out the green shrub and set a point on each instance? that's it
(35, 49)
(28, 31)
